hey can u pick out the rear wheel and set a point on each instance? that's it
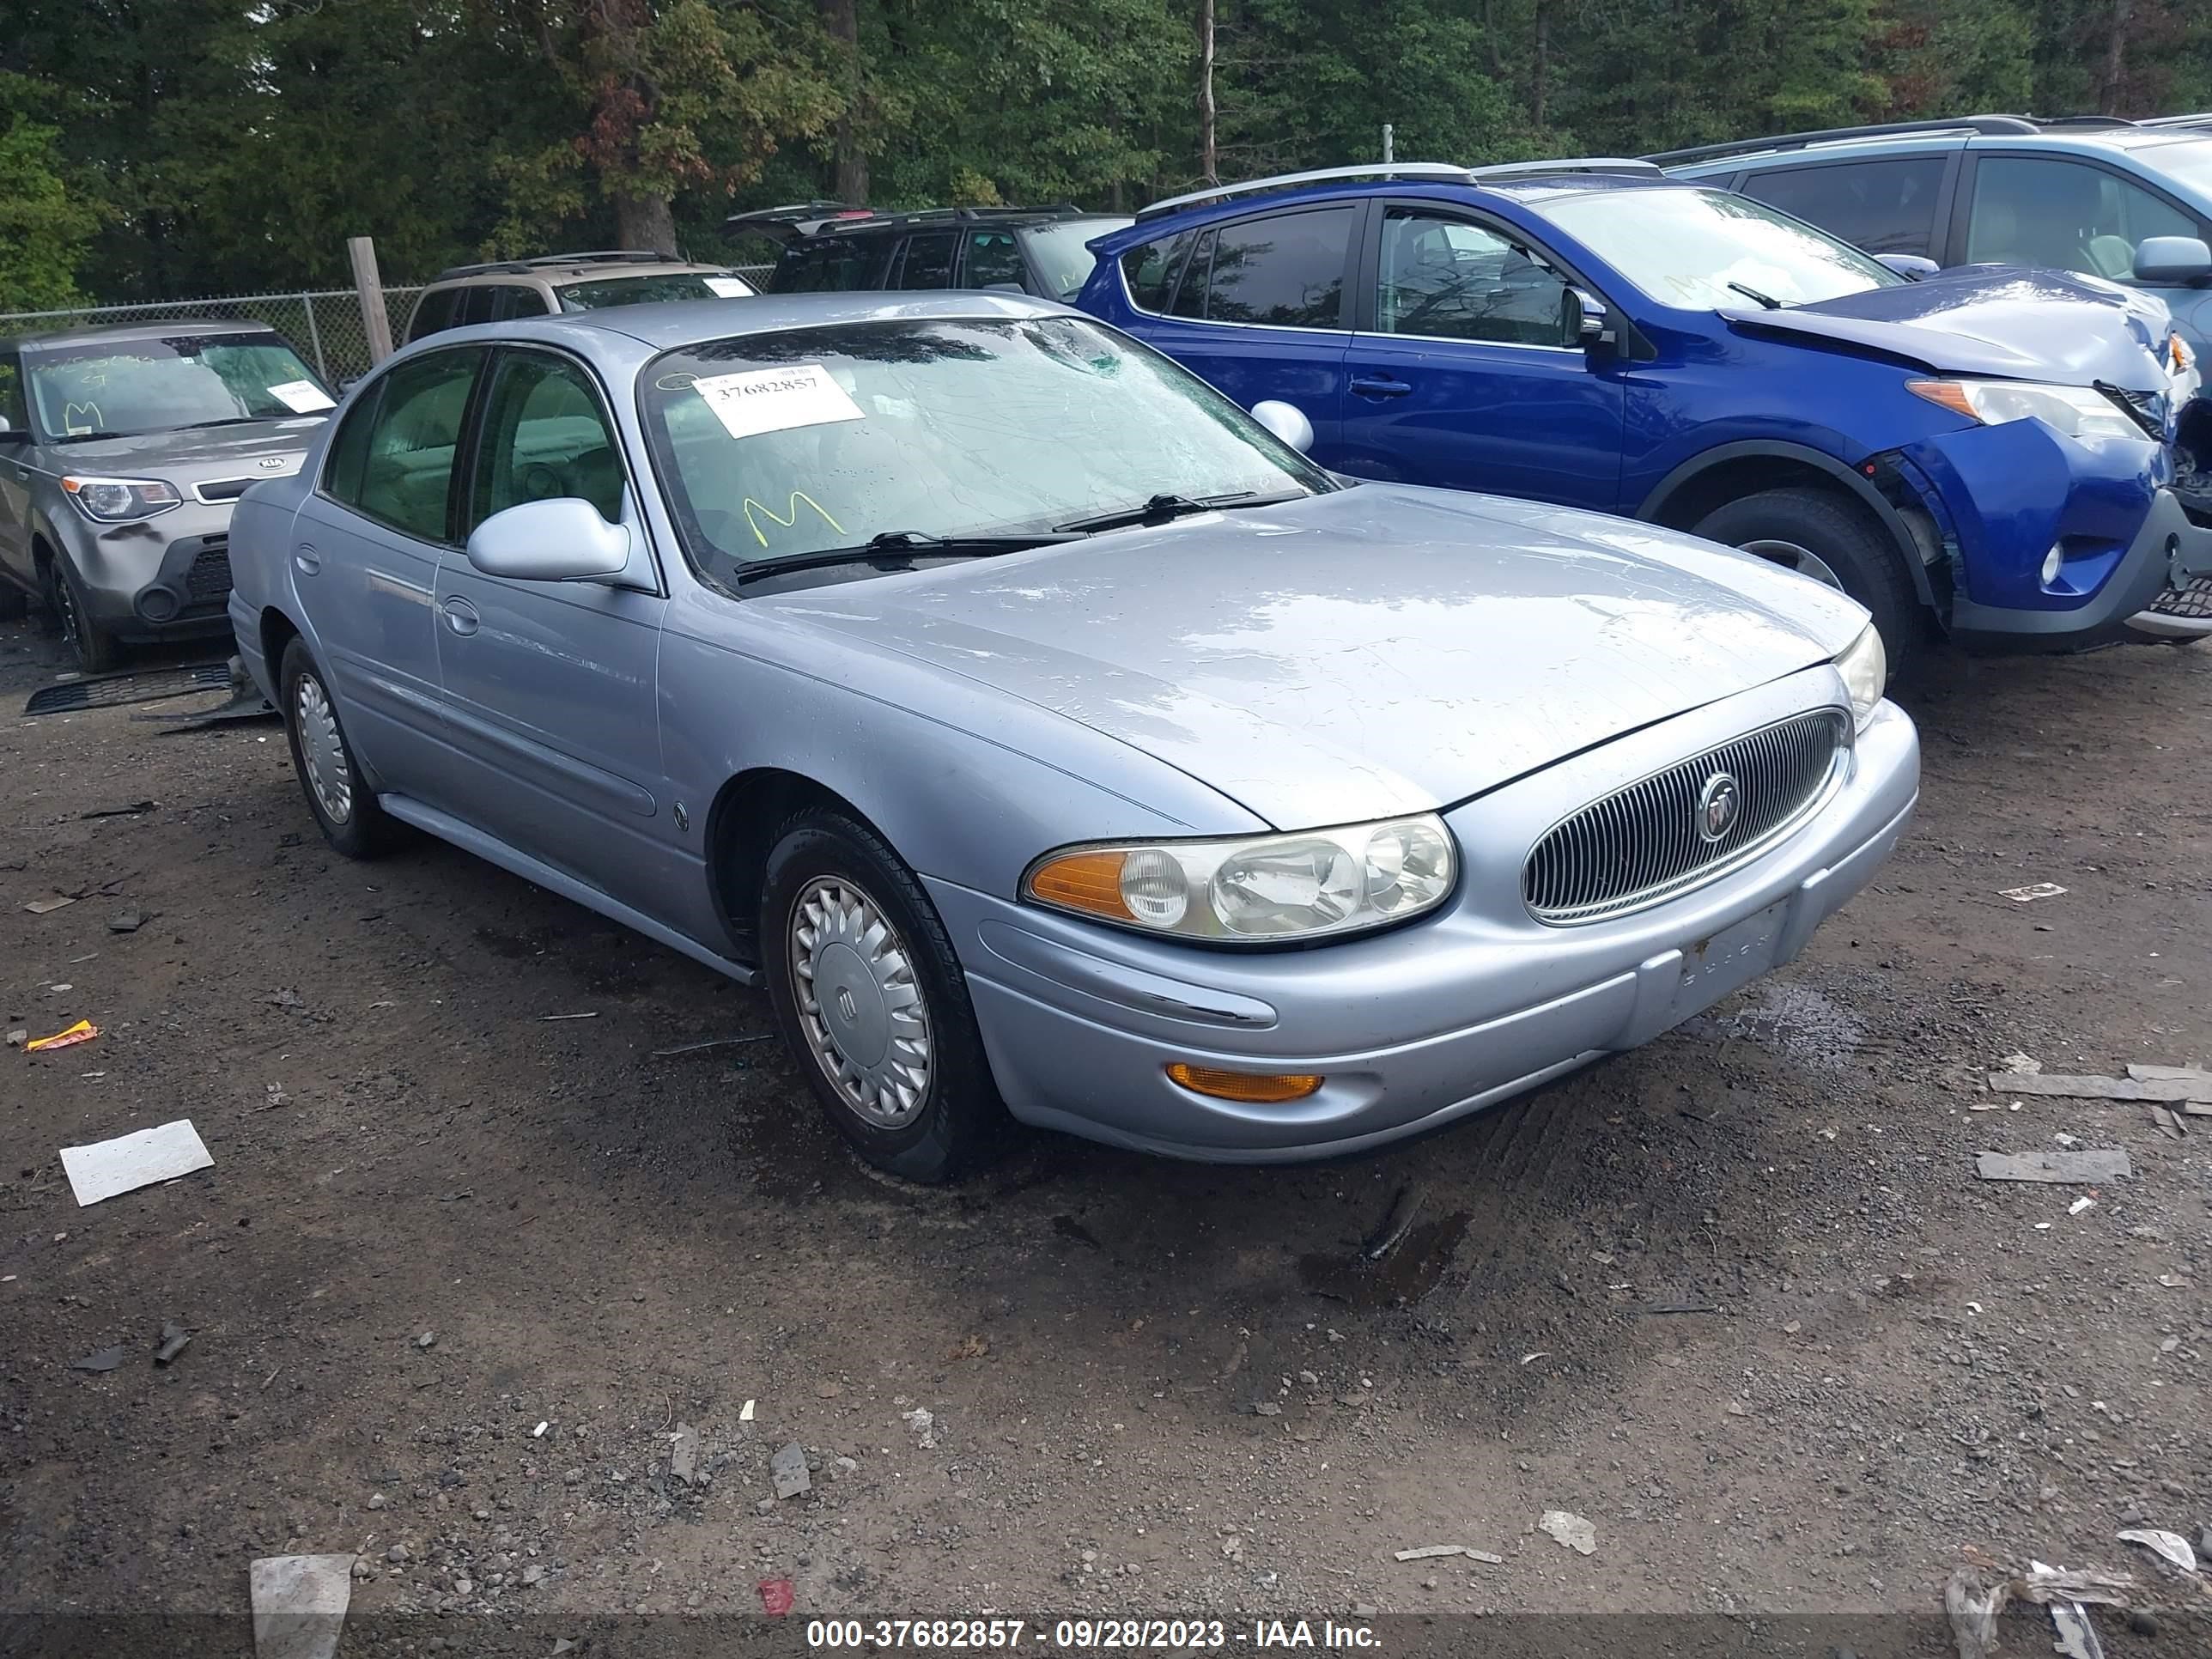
(345, 809)
(1819, 534)
(95, 646)
(872, 1001)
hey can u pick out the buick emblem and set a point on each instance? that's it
(1718, 803)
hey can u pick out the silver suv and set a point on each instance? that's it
(122, 452)
(560, 283)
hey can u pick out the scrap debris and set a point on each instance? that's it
(1395, 1224)
(2173, 1082)
(2053, 1166)
(2169, 1546)
(140, 1159)
(2040, 890)
(172, 1341)
(1570, 1530)
(1432, 1552)
(299, 1605)
(101, 1359)
(789, 1469)
(45, 907)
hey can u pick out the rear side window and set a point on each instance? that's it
(405, 469)
(474, 305)
(1879, 207)
(434, 313)
(1151, 270)
(833, 264)
(927, 264)
(516, 301)
(1283, 272)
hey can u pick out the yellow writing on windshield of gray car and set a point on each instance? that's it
(797, 497)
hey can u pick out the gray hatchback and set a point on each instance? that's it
(1047, 734)
(123, 452)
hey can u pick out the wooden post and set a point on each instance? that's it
(1209, 165)
(375, 322)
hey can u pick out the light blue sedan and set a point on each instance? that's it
(1047, 735)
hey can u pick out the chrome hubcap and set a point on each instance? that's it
(1802, 560)
(322, 751)
(858, 1005)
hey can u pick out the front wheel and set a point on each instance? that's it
(872, 1001)
(1820, 534)
(95, 646)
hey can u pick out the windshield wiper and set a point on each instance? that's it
(1161, 509)
(228, 420)
(894, 549)
(89, 437)
(1766, 299)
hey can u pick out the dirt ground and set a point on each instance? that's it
(463, 1268)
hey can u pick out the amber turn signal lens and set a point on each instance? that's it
(1084, 881)
(1251, 1088)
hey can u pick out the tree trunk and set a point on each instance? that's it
(840, 22)
(646, 223)
(2115, 49)
(1209, 161)
(1537, 88)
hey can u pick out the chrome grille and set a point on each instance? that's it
(1644, 842)
(218, 490)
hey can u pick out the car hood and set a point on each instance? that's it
(1376, 650)
(220, 452)
(2010, 321)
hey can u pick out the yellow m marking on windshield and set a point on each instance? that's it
(797, 497)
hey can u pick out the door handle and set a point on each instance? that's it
(306, 560)
(1377, 386)
(461, 616)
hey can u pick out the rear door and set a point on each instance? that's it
(1463, 372)
(365, 552)
(549, 687)
(1894, 205)
(1257, 306)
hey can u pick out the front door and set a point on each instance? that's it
(365, 551)
(1462, 372)
(549, 687)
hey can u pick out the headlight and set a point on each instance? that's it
(1306, 885)
(118, 500)
(2079, 411)
(1865, 669)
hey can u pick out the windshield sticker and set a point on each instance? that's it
(774, 517)
(776, 399)
(726, 288)
(302, 397)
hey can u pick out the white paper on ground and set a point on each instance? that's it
(726, 288)
(137, 1159)
(299, 1604)
(759, 400)
(302, 397)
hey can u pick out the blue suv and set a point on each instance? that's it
(1990, 451)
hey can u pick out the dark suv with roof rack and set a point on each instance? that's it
(830, 247)
(564, 282)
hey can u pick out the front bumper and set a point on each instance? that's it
(1416, 1028)
(160, 578)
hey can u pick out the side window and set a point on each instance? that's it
(513, 300)
(12, 408)
(348, 457)
(2038, 211)
(544, 435)
(1149, 271)
(1283, 272)
(407, 470)
(436, 313)
(838, 264)
(473, 304)
(993, 259)
(1190, 294)
(1882, 207)
(928, 261)
(1450, 280)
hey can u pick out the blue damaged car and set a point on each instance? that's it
(1986, 453)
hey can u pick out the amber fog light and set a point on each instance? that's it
(1248, 1088)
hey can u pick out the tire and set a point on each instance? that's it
(94, 647)
(1848, 550)
(345, 809)
(919, 1101)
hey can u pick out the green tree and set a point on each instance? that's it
(45, 227)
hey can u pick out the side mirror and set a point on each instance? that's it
(13, 434)
(2170, 261)
(1911, 266)
(1583, 320)
(348, 382)
(563, 540)
(1287, 420)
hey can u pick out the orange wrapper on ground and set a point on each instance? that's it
(83, 1031)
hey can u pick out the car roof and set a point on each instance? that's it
(2060, 138)
(101, 333)
(670, 324)
(582, 269)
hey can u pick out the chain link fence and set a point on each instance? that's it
(325, 325)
